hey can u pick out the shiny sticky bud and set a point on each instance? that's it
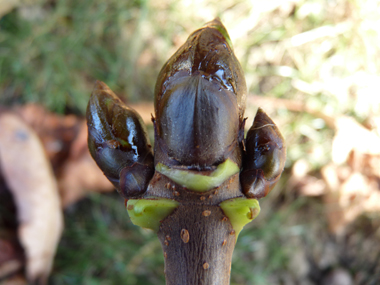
(264, 159)
(200, 100)
(117, 136)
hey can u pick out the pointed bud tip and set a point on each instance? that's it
(218, 25)
(215, 22)
(260, 113)
(262, 118)
(102, 88)
(101, 91)
(100, 85)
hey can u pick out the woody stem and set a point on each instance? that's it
(198, 242)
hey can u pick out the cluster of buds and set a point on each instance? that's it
(201, 185)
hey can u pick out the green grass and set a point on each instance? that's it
(101, 246)
(55, 58)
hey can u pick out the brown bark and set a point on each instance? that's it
(197, 238)
(197, 248)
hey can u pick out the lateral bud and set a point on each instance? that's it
(118, 142)
(264, 159)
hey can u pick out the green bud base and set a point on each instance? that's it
(198, 182)
(240, 212)
(150, 212)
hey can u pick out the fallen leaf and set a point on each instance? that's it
(11, 259)
(55, 132)
(65, 141)
(80, 174)
(303, 182)
(17, 279)
(348, 198)
(351, 135)
(30, 178)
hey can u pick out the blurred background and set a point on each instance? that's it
(313, 66)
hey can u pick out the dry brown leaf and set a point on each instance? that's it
(306, 184)
(30, 178)
(17, 279)
(11, 257)
(312, 186)
(10, 266)
(349, 197)
(350, 136)
(352, 178)
(352, 187)
(80, 174)
(65, 141)
(55, 132)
